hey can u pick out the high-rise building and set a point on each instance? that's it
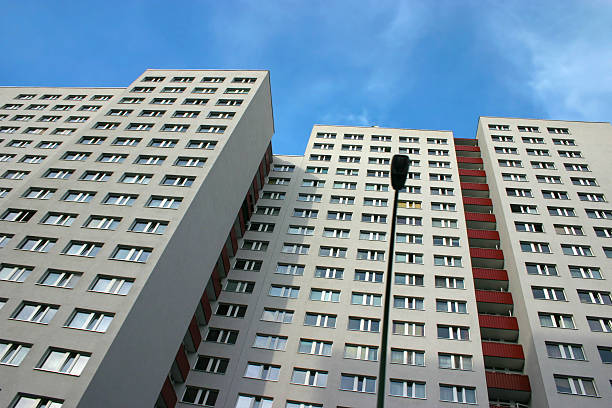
(155, 254)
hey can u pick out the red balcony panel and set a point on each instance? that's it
(225, 260)
(216, 281)
(261, 173)
(475, 186)
(472, 173)
(486, 253)
(242, 222)
(483, 234)
(464, 148)
(182, 362)
(493, 296)
(515, 382)
(477, 201)
(249, 201)
(473, 160)
(168, 394)
(490, 274)
(206, 306)
(504, 350)
(498, 322)
(194, 332)
(464, 141)
(470, 216)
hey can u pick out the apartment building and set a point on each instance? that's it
(154, 253)
(109, 198)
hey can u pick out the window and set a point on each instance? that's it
(15, 174)
(408, 357)
(541, 247)
(594, 297)
(561, 211)
(568, 229)
(445, 241)
(455, 361)
(275, 195)
(591, 197)
(446, 260)
(224, 336)
(374, 218)
(576, 250)
(453, 332)
(408, 302)
(99, 176)
(132, 254)
(115, 125)
(75, 156)
(372, 235)
(12, 353)
(119, 199)
(555, 195)
(575, 385)
(514, 177)
(59, 278)
(451, 306)
(17, 215)
(576, 167)
(61, 174)
(190, 161)
(570, 154)
(549, 179)
(34, 401)
(541, 269)
(209, 364)
(39, 193)
(302, 213)
(170, 127)
(562, 321)
(603, 232)
(506, 150)
(139, 126)
(548, 293)
(284, 291)
(200, 396)
(602, 214)
(300, 230)
(499, 127)
(309, 377)
(213, 79)
(329, 272)
(80, 248)
(150, 226)
(457, 393)
(405, 257)
(279, 181)
(408, 328)
(409, 238)
(361, 352)
(519, 192)
(283, 167)
(335, 232)
(348, 200)
(366, 299)
(604, 352)
(316, 347)
(64, 361)
(444, 223)
(178, 181)
(35, 312)
(585, 272)
(270, 342)
(270, 315)
(364, 324)
(370, 255)
(102, 222)
(232, 310)
(335, 252)
(239, 286)
(14, 273)
(261, 226)
(299, 249)
(30, 159)
(565, 351)
(358, 383)
(213, 115)
(91, 140)
(320, 320)
(408, 279)
(528, 226)
(48, 145)
(36, 244)
(135, 178)
(60, 219)
(320, 157)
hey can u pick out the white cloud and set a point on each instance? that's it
(563, 54)
(348, 118)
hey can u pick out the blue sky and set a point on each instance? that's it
(411, 64)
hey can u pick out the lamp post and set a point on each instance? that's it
(399, 171)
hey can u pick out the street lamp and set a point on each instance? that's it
(399, 170)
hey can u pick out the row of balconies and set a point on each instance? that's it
(503, 358)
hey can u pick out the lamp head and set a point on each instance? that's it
(399, 170)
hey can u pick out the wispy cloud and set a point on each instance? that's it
(349, 119)
(566, 62)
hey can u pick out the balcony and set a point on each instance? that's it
(193, 337)
(461, 141)
(508, 387)
(472, 176)
(180, 366)
(482, 221)
(168, 395)
(490, 279)
(487, 258)
(467, 151)
(503, 355)
(473, 163)
(480, 190)
(483, 238)
(494, 302)
(498, 327)
(477, 205)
